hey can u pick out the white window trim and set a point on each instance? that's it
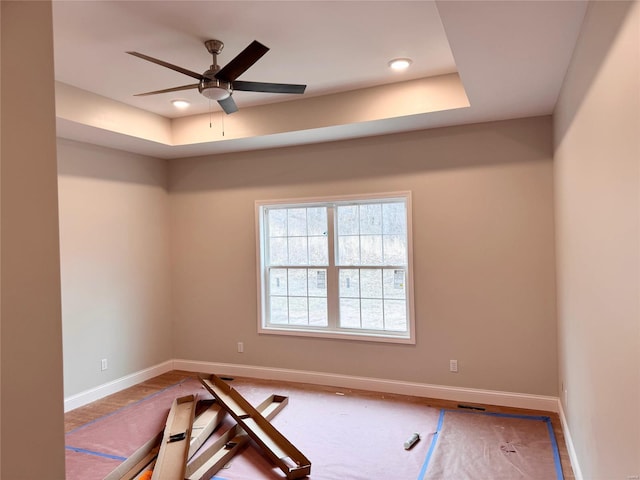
(301, 331)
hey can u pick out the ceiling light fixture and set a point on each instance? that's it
(214, 89)
(400, 63)
(180, 103)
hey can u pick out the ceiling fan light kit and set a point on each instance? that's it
(215, 89)
(219, 83)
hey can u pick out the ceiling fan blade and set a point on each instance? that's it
(268, 87)
(242, 62)
(174, 89)
(228, 105)
(168, 65)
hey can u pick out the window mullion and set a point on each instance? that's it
(332, 271)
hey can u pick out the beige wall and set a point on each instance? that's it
(483, 253)
(30, 340)
(597, 142)
(115, 263)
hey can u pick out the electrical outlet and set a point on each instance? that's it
(453, 366)
(103, 364)
(240, 347)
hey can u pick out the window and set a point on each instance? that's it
(336, 267)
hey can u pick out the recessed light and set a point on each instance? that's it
(400, 63)
(180, 103)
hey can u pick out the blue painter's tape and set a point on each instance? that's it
(540, 418)
(556, 453)
(97, 454)
(127, 406)
(432, 447)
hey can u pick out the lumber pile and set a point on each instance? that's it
(171, 455)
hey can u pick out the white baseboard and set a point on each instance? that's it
(458, 394)
(569, 441)
(101, 391)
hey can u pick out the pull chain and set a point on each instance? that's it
(211, 118)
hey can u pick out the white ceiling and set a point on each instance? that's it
(511, 57)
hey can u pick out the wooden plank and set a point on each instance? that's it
(209, 414)
(133, 465)
(172, 457)
(275, 445)
(143, 473)
(204, 425)
(217, 455)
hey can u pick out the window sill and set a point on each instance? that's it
(341, 335)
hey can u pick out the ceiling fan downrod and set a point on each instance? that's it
(210, 86)
(214, 47)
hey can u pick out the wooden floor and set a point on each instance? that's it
(107, 405)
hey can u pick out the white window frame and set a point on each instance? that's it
(332, 291)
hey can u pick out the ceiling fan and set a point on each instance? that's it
(219, 83)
